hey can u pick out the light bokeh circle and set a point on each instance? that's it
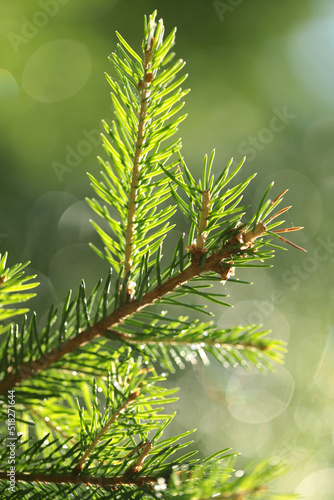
(264, 312)
(318, 146)
(74, 225)
(324, 374)
(8, 85)
(311, 52)
(253, 398)
(319, 485)
(57, 70)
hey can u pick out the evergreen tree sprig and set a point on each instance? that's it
(145, 110)
(88, 392)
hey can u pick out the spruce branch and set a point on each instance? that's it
(131, 396)
(217, 262)
(104, 429)
(251, 493)
(146, 101)
(173, 341)
(137, 466)
(213, 478)
(119, 452)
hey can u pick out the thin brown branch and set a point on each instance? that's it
(103, 482)
(104, 429)
(203, 223)
(137, 466)
(106, 482)
(144, 94)
(213, 263)
(147, 340)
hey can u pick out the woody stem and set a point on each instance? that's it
(144, 94)
(203, 223)
(29, 369)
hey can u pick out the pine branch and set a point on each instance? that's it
(210, 478)
(176, 341)
(115, 436)
(131, 395)
(213, 478)
(146, 102)
(251, 493)
(213, 263)
(218, 262)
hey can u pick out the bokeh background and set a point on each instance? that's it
(262, 80)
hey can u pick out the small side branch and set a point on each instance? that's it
(137, 466)
(218, 262)
(147, 340)
(203, 223)
(144, 94)
(110, 482)
(104, 429)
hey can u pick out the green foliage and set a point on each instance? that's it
(215, 478)
(162, 104)
(13, 290)
(88, 390)
(176, 341)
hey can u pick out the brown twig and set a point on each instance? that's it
(137, 466)
(144, 94)
(214, 262)
(109, 482)
(29, 369)
(103, 482)
(131, 339)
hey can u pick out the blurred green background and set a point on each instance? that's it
(262, 80)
